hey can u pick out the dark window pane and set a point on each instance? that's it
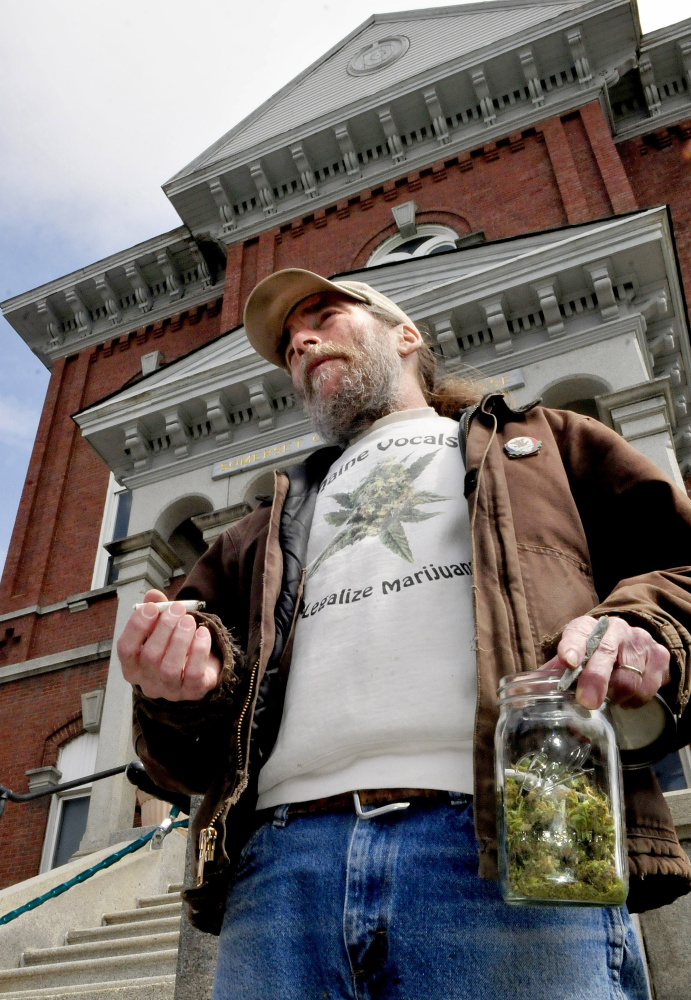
(122, 515)
(670, 773)
(71, 830)
(410, 246)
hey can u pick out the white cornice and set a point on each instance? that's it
(384, 169)
(605, 277)
(206, 167)
(663, 36)
(183, 280)
(99, 267)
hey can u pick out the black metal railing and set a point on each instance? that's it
(134, 772)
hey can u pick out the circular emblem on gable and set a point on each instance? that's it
(378, 55)
(521, 447)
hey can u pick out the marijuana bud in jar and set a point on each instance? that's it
(559, 797)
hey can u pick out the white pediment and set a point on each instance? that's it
(229, 350)
(377, 57)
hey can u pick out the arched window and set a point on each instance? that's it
(428, 240)
(175, 526)
(68, 810)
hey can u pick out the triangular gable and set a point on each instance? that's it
(228, 350)
(435, 36)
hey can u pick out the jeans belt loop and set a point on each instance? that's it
(281, 815)
(380, 811)
(459, 798)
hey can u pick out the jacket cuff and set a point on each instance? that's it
(190, 714)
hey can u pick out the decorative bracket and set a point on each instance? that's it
(178, 431)
(347, 148)
(437, 115)
(652, 94)
(260, 401)
(600, 273)
(168, 265)
(307, 178)
(654, 308)
(579, 56)
(393, 139)
(547, 292)
(52, 323)
(662, 342)
(142, 292)
(109, 299)
(496, 320)
(224, 205)
(685, 50)
(205, 274)
(479, 82)
(532, 78)
(138, 446)
(81, 312)
(266, 195)
(446, 336)
(217, 415)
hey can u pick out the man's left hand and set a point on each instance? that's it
(607, 672)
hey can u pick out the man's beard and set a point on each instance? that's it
(368, 387)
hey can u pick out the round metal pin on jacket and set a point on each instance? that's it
(522, 447)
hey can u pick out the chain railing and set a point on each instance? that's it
(161, 830)
(137, 775)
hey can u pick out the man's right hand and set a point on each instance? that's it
(166, 654)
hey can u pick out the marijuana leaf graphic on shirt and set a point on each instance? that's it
(380, 505)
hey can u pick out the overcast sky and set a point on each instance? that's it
(99, 105)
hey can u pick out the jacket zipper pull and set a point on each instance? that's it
(207, 850)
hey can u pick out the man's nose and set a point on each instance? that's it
(303, 339)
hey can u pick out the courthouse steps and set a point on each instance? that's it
(131, 956)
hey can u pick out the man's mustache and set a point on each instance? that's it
(323, 352)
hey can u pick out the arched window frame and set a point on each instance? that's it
(76, 759)
(439, 236)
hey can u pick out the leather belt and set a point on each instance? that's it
(376, 802)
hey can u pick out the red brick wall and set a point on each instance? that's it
(659, 175)
(32, 711)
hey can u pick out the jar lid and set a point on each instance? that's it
(644, 735)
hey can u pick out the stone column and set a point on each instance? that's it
(197, 951)
(142, 561)
(644, 415)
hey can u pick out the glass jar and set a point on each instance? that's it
(559, 795)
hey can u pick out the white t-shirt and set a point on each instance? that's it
(381, 691)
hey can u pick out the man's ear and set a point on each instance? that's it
(409, 340)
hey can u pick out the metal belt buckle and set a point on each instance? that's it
(373, 813)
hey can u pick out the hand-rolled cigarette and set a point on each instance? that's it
(162, 605)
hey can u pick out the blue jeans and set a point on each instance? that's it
(331, 906)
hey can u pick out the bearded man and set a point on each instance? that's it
(336, 703)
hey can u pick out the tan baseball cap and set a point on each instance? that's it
(275, 297)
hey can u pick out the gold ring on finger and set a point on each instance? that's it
(627, 666)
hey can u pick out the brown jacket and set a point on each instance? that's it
(585, 526)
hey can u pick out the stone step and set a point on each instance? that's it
(90, 971)
(111, 932)
(154, 988)
(100, 949)
(163, 900)
(176, 887)
(143, 913)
